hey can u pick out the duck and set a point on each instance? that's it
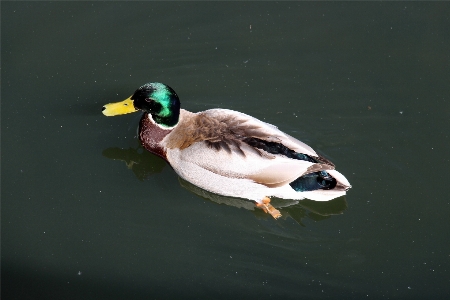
(230, 153)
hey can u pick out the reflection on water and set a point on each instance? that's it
(143, 164)
(296, 209)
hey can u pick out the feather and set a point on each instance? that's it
(283, 171)
(225, 129)
(234, 145)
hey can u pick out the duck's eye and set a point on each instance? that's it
(126, 104)
(148, 99)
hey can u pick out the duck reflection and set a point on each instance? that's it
(143, 164)
(138, 160)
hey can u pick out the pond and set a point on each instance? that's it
(87, 213)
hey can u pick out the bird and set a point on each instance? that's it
(230, 153)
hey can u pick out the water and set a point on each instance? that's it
(87, 214)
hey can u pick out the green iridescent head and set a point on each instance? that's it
(155, 98)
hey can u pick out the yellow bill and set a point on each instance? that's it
(119, 108)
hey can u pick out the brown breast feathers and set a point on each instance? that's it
(151, 135)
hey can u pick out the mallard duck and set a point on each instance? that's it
(228, 152)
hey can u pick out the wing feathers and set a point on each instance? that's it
(318, 167)
(287, 171)
(254, 151)
(234, 132)
(226, 130)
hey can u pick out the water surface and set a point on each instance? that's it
(87, 214)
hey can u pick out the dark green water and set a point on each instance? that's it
(366, 84)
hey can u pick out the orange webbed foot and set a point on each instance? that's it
(268, 208)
